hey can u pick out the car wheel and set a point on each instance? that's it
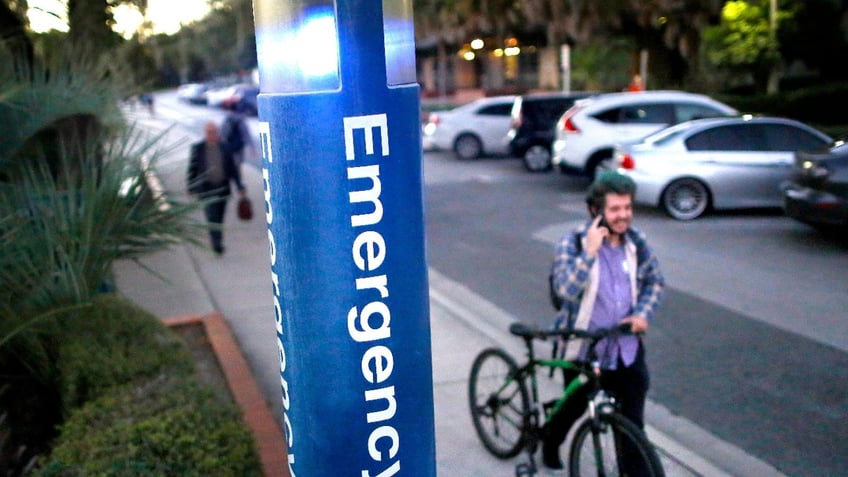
(686, 199)
(467, 146)
(537, 158)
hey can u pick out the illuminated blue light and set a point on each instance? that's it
(318, 46)
(297, 45)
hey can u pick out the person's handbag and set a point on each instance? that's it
(245, 210)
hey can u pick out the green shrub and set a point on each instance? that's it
(820, 105)
(114, 342)
(169, 425)
(814, 105)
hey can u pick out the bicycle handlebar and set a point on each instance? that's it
(528, 332)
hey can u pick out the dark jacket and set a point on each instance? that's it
(196, 177)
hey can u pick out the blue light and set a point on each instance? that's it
(298, 45)
(318, 45)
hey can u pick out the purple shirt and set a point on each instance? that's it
(613, 303)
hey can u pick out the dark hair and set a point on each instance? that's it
(608, 182)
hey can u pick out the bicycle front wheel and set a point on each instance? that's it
(500, 404)
(612, 446)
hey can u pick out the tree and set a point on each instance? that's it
(745, 42)
(439, 21)
(817, 36)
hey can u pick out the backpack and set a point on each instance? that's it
(231, 134)
(556, 300)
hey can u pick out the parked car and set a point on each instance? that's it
(216, 96)
(817, 192)
(718, 163)
(586, 133)
(471, 130)
(243, 99)
(194, 93)
(532, 131)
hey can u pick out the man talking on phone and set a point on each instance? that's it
(604, 274)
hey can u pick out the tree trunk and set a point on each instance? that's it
(13, 35)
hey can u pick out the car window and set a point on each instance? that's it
(496, 110)
(732, 137)
(608, 115)
(690, 111)
(648, 113)
(548, 111)
(783, 137)
(664, 136)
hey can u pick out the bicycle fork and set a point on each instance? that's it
(598, 404)
(596, 435)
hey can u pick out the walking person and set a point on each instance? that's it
(211, 169)
(605, 274)
(147, 100)
(236, 136)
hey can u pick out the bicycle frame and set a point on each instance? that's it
(510, 418)
(528, 372)
(587, 374)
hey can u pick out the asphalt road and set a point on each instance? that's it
(752, 340)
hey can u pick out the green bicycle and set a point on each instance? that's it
(509, 418)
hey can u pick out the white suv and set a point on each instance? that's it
(588, 131)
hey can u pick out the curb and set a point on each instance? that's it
(242, 384)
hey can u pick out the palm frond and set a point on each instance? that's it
(73, 196)
(69, 83)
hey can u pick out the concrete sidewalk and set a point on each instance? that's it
(237, 285)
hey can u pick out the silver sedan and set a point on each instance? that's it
(716, 163)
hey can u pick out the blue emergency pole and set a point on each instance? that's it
(341, 155)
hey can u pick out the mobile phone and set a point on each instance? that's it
(603, 222)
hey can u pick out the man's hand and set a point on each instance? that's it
(638, 324)
(595, 237)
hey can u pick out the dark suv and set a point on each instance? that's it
(533, 119)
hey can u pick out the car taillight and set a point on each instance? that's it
(568, 126)
(627, 162)
(565, 122)
(433, 118)
(516, 123)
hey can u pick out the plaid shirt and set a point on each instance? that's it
(571, 271)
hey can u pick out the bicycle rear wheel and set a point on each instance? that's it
(612, 446)
(500, 404)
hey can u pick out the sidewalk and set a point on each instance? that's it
(237, 285)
